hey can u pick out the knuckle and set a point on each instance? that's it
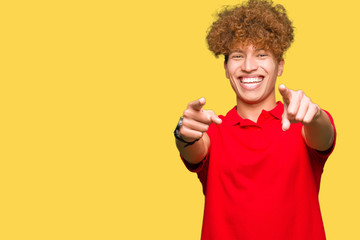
(313, 108)
(208, 121)
(187, 113)
(291, 118)
(291, 114)
(299, 119)
(206, 127)
(206, 118)
(317, 107)
(197, 134)
(183, 131)
(184, 122)
(306, 99)
(307, 121)
(187, 133)
(211, 112)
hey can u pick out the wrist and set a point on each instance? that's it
(182, 139)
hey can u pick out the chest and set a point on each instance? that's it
(259, 152)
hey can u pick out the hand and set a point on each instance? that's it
(196, 120)
(297, 108)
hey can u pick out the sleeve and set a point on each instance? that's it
(195, 167)
(322, 156)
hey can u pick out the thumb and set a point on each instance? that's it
(285, 93)
(285, 121)
(214, 118)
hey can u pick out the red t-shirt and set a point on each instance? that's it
(259, 181)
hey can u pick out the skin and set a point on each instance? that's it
(317, 129)
(196, 122)
(247, 62)
(250, 62)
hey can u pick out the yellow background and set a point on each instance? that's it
(92, 90)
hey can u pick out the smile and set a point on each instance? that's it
(251, 80)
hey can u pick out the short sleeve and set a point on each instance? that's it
(195, 167)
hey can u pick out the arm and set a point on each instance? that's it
(194, 153)
(317, 129)
(195, 123)
(319, 134)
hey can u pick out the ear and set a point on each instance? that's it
(280, 67)
(226, 70)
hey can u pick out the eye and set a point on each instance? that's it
(237, 56)
(262, 55)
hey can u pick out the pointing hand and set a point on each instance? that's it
(196, 120)
(297, 107)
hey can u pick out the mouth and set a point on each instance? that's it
(251, 80)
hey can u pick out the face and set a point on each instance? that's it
(252, 73)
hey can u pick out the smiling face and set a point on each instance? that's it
(252, 73)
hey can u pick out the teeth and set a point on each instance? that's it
(251, 80)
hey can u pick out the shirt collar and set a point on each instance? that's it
(278, 110)
(233, 117)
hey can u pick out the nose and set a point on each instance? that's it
(249, 65)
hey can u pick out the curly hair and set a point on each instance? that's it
(256, 22)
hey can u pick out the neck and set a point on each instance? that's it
(252, 111)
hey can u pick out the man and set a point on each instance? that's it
(261, 164)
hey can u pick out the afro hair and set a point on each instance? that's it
(257, 22)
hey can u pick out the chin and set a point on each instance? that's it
(251, 98)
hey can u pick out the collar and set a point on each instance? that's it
(233, 117)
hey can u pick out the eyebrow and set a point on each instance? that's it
(241, 51)
(236, 50)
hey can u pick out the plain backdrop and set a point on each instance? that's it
(91, 92)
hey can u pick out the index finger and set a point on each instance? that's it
(197, 104)
(285, 93)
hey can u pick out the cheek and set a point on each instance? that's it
(227, 73)
(232, 70)
(271, 69)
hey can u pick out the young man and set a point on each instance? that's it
(261, 164)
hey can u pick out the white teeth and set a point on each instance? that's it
(251, 80)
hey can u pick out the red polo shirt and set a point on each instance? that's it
(259, 181)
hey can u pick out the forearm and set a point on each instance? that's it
(319, 134)
(196, 152)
